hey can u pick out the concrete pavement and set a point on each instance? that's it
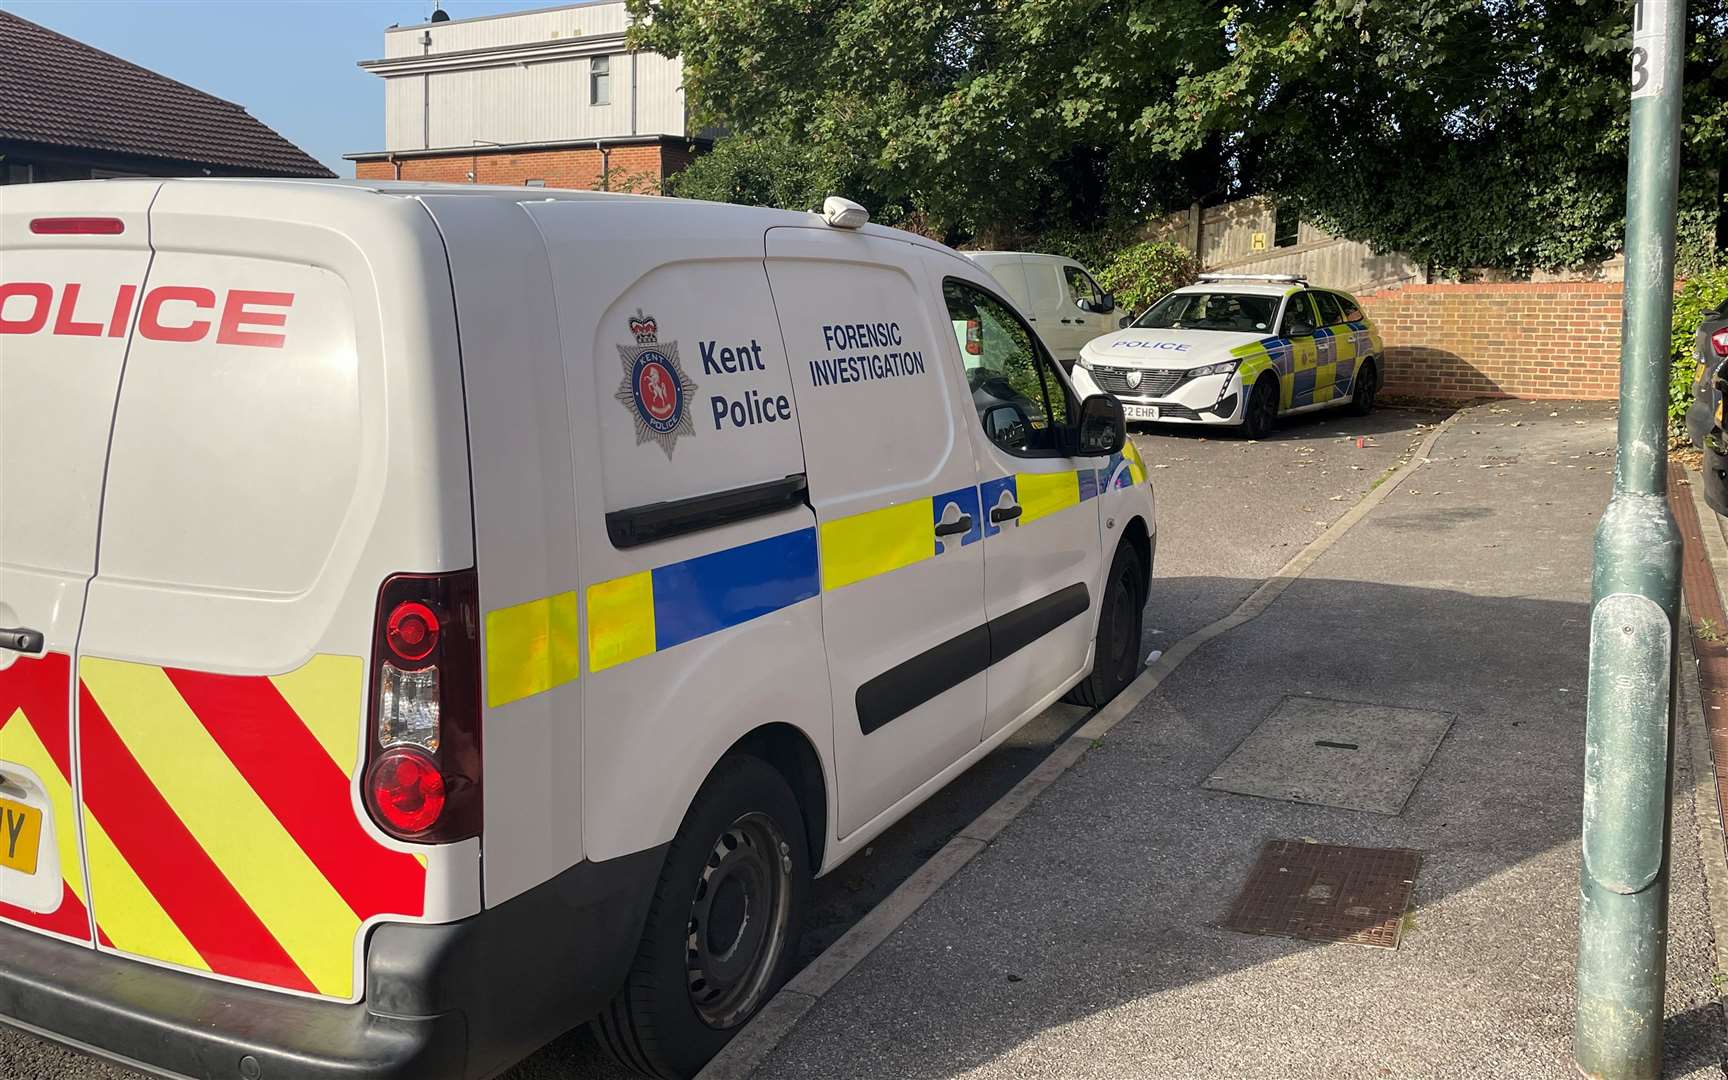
(1083, 941)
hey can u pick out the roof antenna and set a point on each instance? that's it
(439, 14)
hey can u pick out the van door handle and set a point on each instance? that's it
(999, 514)
(1066, 321)
(963, 524)
(20, 639)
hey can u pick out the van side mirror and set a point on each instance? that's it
(1104, 305)
(1007, 425)
(1122, 323)
(1107, 304)
(1102, 428)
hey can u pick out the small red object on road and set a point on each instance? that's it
(1361, 443)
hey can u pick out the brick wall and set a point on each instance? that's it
(633, 168)
(1550, 340)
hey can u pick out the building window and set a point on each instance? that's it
(600, 80)
(533, 183)
(1288, 227)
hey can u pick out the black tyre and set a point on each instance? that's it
(1262, 412)
(1367, 385)
(723, 928)
(1116, 654)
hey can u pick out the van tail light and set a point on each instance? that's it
(974, 338)
(1719, 342)
(422, 780)
(77, 226)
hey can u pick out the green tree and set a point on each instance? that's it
(1464, 132)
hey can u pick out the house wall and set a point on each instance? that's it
(633, 168)
(524, 78)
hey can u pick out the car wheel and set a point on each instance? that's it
(723, 926)
(1116, 653)
(1367, 385)
(1262, 411)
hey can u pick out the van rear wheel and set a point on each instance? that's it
(723, 927)
(1116, 653)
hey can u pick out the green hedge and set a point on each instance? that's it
(1144, 272)
(1701, 293)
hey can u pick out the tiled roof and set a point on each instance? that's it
(59, 92)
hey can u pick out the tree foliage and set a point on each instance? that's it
(1484, 133)
(1699, 294)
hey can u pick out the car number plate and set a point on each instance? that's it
(1140, 412)
(20, 836)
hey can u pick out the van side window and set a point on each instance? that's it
(1331, 311)
(1021, 401)
(1081, 286)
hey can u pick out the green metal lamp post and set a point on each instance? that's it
(1623, 915)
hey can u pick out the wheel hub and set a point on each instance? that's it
(738, 920)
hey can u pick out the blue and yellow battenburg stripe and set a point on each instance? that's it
(1311, 370)
(646, 612)
(533, 647)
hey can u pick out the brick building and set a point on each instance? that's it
(549, 98)
(72, 112)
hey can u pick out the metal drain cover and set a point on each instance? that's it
(1348, 754)
(1325, 892)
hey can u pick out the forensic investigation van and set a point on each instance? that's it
(435, 617)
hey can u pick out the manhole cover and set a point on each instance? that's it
(1325, 892)
(1348, 754)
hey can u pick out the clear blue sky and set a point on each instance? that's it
(290, 63)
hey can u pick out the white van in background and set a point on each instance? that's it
(1061, 299)
(432, 617)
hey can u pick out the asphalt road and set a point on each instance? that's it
(1230, 513)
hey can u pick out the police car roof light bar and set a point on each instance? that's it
(1291, 279)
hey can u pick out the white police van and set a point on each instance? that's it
(434, 617)
(1240, 350)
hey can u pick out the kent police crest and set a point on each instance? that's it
(655, 389)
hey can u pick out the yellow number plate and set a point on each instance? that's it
(20, 836)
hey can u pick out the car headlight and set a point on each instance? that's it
(1223, 367)
(1084, 361)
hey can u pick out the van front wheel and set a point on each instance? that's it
(1116, 652)
(723, 927)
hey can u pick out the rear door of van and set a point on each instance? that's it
(69, 278)
(288, 433)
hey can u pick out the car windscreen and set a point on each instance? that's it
(1241, 313)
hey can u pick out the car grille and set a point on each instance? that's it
(1154, 382)
(1178, 412)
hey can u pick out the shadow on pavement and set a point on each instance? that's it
(1084, 942)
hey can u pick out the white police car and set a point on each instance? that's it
(1240, 351)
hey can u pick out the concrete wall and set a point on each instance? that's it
(1528, 340)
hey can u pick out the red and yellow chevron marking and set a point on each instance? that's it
(36, 732)
(221, 831)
